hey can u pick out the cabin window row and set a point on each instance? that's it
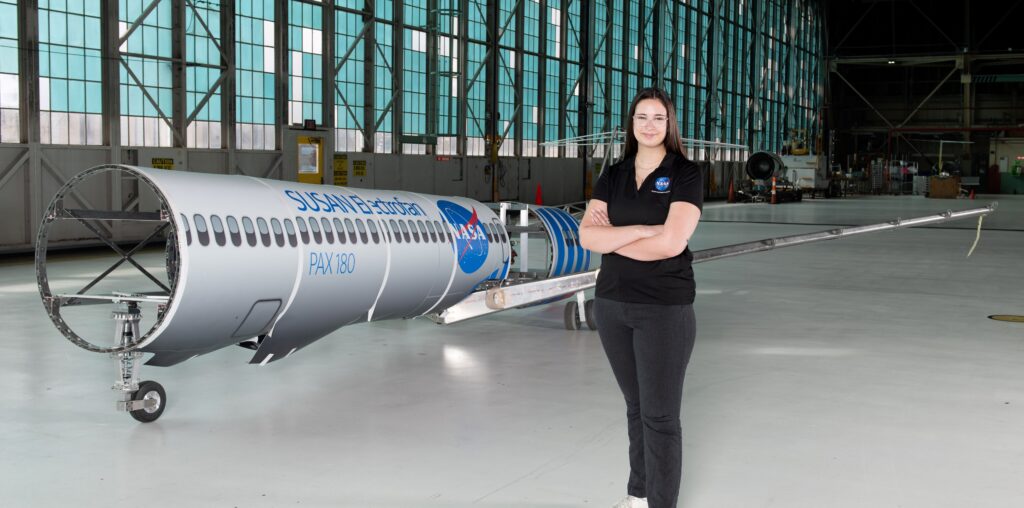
(311, 230)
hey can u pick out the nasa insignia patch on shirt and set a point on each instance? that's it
(661, 184)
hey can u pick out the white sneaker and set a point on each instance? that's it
(632, 502)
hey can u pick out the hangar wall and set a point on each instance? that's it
(32, 175)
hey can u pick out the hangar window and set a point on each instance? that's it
(394, 231)
(201, 232)
(218, 230)
(415, 234)
(327, 230)
(362, 231)
(340, 230)
(405, 231)
(290, 229)
(351, 231)
(315, 228)
(261, 223)
(278, 232)
(188, 232)
(433, 232)
(303, 230)
(70, 65)
(423, 230)
(250, 232)
(373, 231)
(254, 66)
(236, 235)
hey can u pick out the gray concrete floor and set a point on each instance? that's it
(856, 373)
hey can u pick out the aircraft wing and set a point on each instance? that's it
(515, 295)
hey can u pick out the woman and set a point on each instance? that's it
(643, 212)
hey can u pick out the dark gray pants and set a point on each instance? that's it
(648, 347)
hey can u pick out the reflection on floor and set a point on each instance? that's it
(857, 373)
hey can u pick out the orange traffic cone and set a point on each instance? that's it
(538, 199)
(732, 193)
(775, 199)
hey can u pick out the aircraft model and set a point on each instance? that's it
(274, 266)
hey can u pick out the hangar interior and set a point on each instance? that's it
(858, 372)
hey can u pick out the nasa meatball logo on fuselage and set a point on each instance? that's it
(470, 238)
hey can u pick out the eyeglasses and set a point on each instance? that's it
(657, 120)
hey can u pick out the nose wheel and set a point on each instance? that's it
(150, 399)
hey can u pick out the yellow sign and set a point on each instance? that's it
(162, 163)
(341, 169)
(1008, 318)
(358, 168)
(311, 159)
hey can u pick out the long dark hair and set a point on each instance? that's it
(671, 142)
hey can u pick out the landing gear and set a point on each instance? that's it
(571, 315)
(152, 397)
(144, 401)
(588, 309)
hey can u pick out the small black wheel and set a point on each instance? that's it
(588, 307)
(572, 316)
(149, 390)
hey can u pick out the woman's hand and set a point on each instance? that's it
(599, 235)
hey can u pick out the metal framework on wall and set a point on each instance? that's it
(462, 78)
(182, 73)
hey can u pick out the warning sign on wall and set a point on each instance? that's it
(341, 169)
(162, 163)
(358, 168)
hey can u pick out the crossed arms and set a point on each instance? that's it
(642, 243)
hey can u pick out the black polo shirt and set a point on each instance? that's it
(667, 281)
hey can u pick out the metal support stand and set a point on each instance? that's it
(581, 304)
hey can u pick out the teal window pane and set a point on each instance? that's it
(76, 96)
(76, 65)
(76, 31)
(8, 21)
(58, 95)
(9, 57)
(57, 28)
